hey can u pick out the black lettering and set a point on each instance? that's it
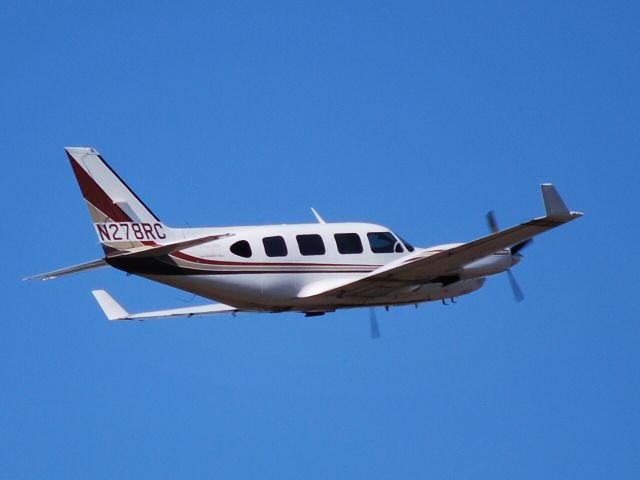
(158, 228)
(114, 231)
(102, 230)
(137, 231)
(148, 231)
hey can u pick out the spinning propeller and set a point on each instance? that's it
(374, 329)
(373, 323)
(493, 226)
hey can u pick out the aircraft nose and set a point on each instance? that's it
(515, 259)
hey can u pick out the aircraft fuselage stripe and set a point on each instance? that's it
(164, 267)
(201, 261)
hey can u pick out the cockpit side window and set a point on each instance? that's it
(241, 248)
(383, 242)
(406, 244)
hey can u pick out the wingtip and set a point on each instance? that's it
(554, 205)
(112, 309)
(42, 278)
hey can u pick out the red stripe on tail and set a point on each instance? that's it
(93, 194)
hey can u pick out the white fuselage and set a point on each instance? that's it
(311, 268)
(265, 268)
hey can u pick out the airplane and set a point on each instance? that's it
(312, 268)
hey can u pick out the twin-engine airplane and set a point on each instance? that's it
(310, 268)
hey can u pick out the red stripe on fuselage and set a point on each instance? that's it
(190, 258)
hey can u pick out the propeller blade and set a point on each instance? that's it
(517, 292)
(492, 222)
(493, 226)
(519, 246)
(373, 322)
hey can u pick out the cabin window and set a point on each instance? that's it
(383, 242)
(241, 248)
(275, 247)
(348, 243)
(310, 244)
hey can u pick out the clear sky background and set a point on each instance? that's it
(418, 115)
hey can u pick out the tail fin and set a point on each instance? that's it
(122, 221)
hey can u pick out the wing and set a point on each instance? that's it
(427, 265)
(114, 311)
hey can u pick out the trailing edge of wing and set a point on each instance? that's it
(70, 270)
(114, 311)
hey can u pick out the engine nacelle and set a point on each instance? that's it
(490, 265)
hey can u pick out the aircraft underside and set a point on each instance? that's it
(272, 292)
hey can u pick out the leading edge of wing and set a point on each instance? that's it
(114, 311)
(424, 265)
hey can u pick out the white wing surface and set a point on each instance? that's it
(427, 265)
(114, 311)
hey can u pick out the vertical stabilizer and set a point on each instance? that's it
(121, 219)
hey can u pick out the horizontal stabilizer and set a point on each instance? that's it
(114, 311)
(144, 252)
(70, 270)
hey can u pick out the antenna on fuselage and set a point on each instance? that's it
(317, 215)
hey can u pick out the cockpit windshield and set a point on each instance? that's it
(407, 245)
(386, 242)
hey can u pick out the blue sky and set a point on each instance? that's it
(417, 115)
